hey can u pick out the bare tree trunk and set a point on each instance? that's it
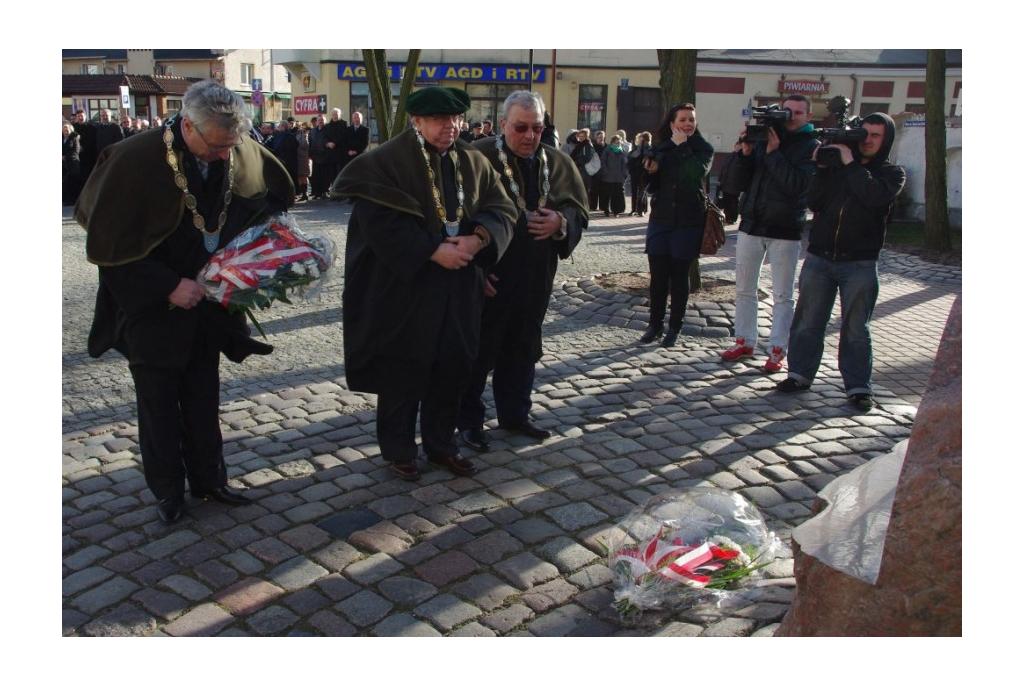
(936, 203)
(678, 76)
(378, 79)
(378, 83)
(412, 65)
(678, 85)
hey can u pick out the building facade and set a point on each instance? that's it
(619, 89)
(157, 78)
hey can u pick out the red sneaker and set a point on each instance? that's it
(738, 351)
(774, 362)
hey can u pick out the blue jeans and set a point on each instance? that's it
(857, 285)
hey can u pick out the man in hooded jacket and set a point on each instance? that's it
(851, 202)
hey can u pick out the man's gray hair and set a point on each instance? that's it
(523, 98)
(208, 103)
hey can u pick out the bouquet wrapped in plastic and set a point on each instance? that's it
(266, 262)
(687, 546)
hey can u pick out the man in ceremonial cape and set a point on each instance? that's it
(429, 214)
(552, 213)
(155, 208)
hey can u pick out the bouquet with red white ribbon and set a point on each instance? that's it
(687, 546)
(266, 262)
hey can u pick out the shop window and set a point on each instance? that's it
(593, 102)
(488, 99)
(359, 101)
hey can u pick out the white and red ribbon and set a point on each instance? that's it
(675, 560)
(256, 264)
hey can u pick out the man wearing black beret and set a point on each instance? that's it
(430, 214)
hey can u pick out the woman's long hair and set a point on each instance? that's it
(665, 131)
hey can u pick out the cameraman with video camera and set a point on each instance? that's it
(851, 200)
(774, 174)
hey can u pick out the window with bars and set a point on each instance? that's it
(96, 104)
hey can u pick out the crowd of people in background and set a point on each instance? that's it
(82, 140)
(312, 152)
(606, 167)
(315, 152)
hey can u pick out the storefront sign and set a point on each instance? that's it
(309, 104)
(811, 87)
(356, 71)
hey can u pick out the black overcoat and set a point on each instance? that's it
(526, 271)
(397, 302)
(143, 239)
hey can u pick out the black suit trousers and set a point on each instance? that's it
(179, 422)
(438, 409)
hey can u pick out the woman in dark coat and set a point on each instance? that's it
(71, 150)
(582, 154)
(677, 171)
(614, 171)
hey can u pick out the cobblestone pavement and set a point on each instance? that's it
(335, 546)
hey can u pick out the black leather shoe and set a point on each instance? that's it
(224, 495)
(670, 337)
(650, 334)
(405, 470)
(171, 508)
(456, 463)
(531, 429)
(475, 438)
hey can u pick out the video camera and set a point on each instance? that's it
(850, 133)
(768, 116)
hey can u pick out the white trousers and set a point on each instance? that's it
(750, 255)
